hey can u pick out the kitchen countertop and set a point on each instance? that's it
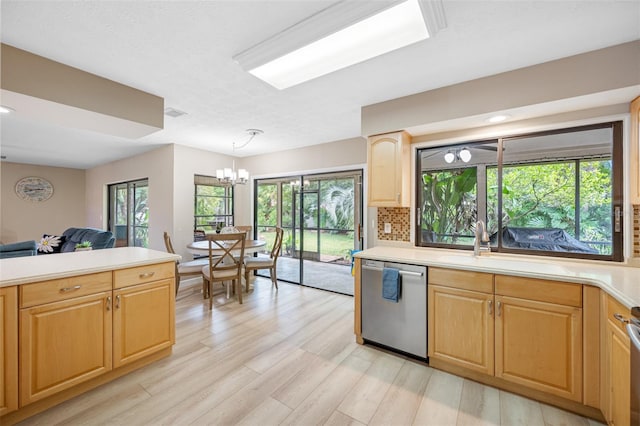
(29, 269)
(621, 282)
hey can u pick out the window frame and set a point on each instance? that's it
(617, 198)
(229, 197)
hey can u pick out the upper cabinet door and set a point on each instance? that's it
(635, 151)
(388, 160)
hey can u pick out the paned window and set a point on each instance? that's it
(554, 193)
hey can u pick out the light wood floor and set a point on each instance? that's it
(289, 357)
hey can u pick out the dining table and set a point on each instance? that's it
(202, 247)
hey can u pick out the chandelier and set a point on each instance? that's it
(229, 176)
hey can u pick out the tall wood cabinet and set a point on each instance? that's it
(8, 349)
(521, 330)
(615, 364)
(389, 170)
(634, 142)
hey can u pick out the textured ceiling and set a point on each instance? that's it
(182, 50)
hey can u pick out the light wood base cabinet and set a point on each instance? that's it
(143, 320)
(63, 344)
(461, 331)
(501, 332)
(8, 349)
(78, 332)
(539, 345)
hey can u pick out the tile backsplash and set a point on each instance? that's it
(636, 230)
(400, 220)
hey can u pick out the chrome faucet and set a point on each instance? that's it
(481, 242)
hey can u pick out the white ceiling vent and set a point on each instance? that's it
(172, 112)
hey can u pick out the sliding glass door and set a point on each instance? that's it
(321, 215)
(129, 213)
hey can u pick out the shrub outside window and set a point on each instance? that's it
(553, 193)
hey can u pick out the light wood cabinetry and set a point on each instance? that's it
(389, 170)
(143, 320)
(461, 328)
(615, 366)
(79, 328)
(520, 330)
(66, 341)
(635, 151)
(8, 349)
(539, 345)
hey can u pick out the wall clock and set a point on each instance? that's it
(34, 189)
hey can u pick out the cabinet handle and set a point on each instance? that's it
(490, 307)
(620, 318)
(147, 275)
(68, 289)
(108, 303)
(499, 308)
(118, 302)
(398, 198)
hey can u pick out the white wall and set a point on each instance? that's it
(22, 220)
(157, 166)
(187, 163)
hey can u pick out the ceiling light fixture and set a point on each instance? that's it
(229, 176)
(465, 155)
(498, 118)
(449, 157)
(341, 35)
(6, 109)
(458, 154)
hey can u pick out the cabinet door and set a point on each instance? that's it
(539, 345)
(143, 320)
(620, 373)
(461, 328)
(8, 349)
(63, 344)
(388, 158)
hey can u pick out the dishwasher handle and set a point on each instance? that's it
(408, 273)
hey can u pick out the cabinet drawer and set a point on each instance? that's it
(143, 274)
(63, 289)
(540, 290)
(466, 280)
(615, 307)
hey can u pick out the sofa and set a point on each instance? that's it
(20, 249)
(99, 238)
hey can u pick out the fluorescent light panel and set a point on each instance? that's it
(390, 29)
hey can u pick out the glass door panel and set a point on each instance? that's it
(321, 216)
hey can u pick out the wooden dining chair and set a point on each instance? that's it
(226, 252)
(270, 263)
(187, 269)
(246, 229)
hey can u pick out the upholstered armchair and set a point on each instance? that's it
(99, 238)
(22, 248)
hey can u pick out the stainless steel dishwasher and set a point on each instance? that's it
(402, 325)
(633, 328)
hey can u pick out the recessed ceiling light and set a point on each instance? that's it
(6, 109)
(172, 112)
(498, 118)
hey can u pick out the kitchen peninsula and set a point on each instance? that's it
(73, 321)
(551, 330)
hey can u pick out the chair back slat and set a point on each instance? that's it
(277, 244)
(167, 243)
(227, 260)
